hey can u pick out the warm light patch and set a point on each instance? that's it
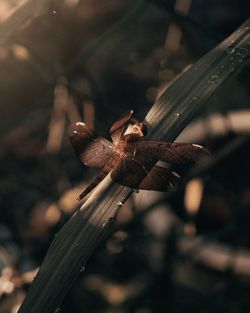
(52, 214)
(115, 294)
(4, 10)
(7, 287)
(71, 3)
(68, 201)
(7, 8)
(20, 52)
(193, 195)
(7, 272)
(174, 34)
(114, 244)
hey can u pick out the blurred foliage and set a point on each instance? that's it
(92, 60)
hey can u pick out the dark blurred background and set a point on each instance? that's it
(92, 60)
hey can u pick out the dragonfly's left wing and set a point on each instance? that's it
(93, 151)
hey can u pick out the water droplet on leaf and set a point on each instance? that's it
(82, 269)
(230, 50)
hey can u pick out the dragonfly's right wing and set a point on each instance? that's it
(135, 175)
(172, 152)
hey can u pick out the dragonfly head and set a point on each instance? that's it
(140, 129)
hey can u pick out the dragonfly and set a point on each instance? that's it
(132, 160)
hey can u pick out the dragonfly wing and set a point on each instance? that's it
(132, 174)
(160, 179)
(174, 153)
(128, 173)
(93, 151)
(119, 127)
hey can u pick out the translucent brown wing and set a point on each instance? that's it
(132, 174)
(174, 153)
(119, 127)
(129, 173)
(160, 179)
(93, 151)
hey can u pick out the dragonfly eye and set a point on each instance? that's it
(140, 128)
